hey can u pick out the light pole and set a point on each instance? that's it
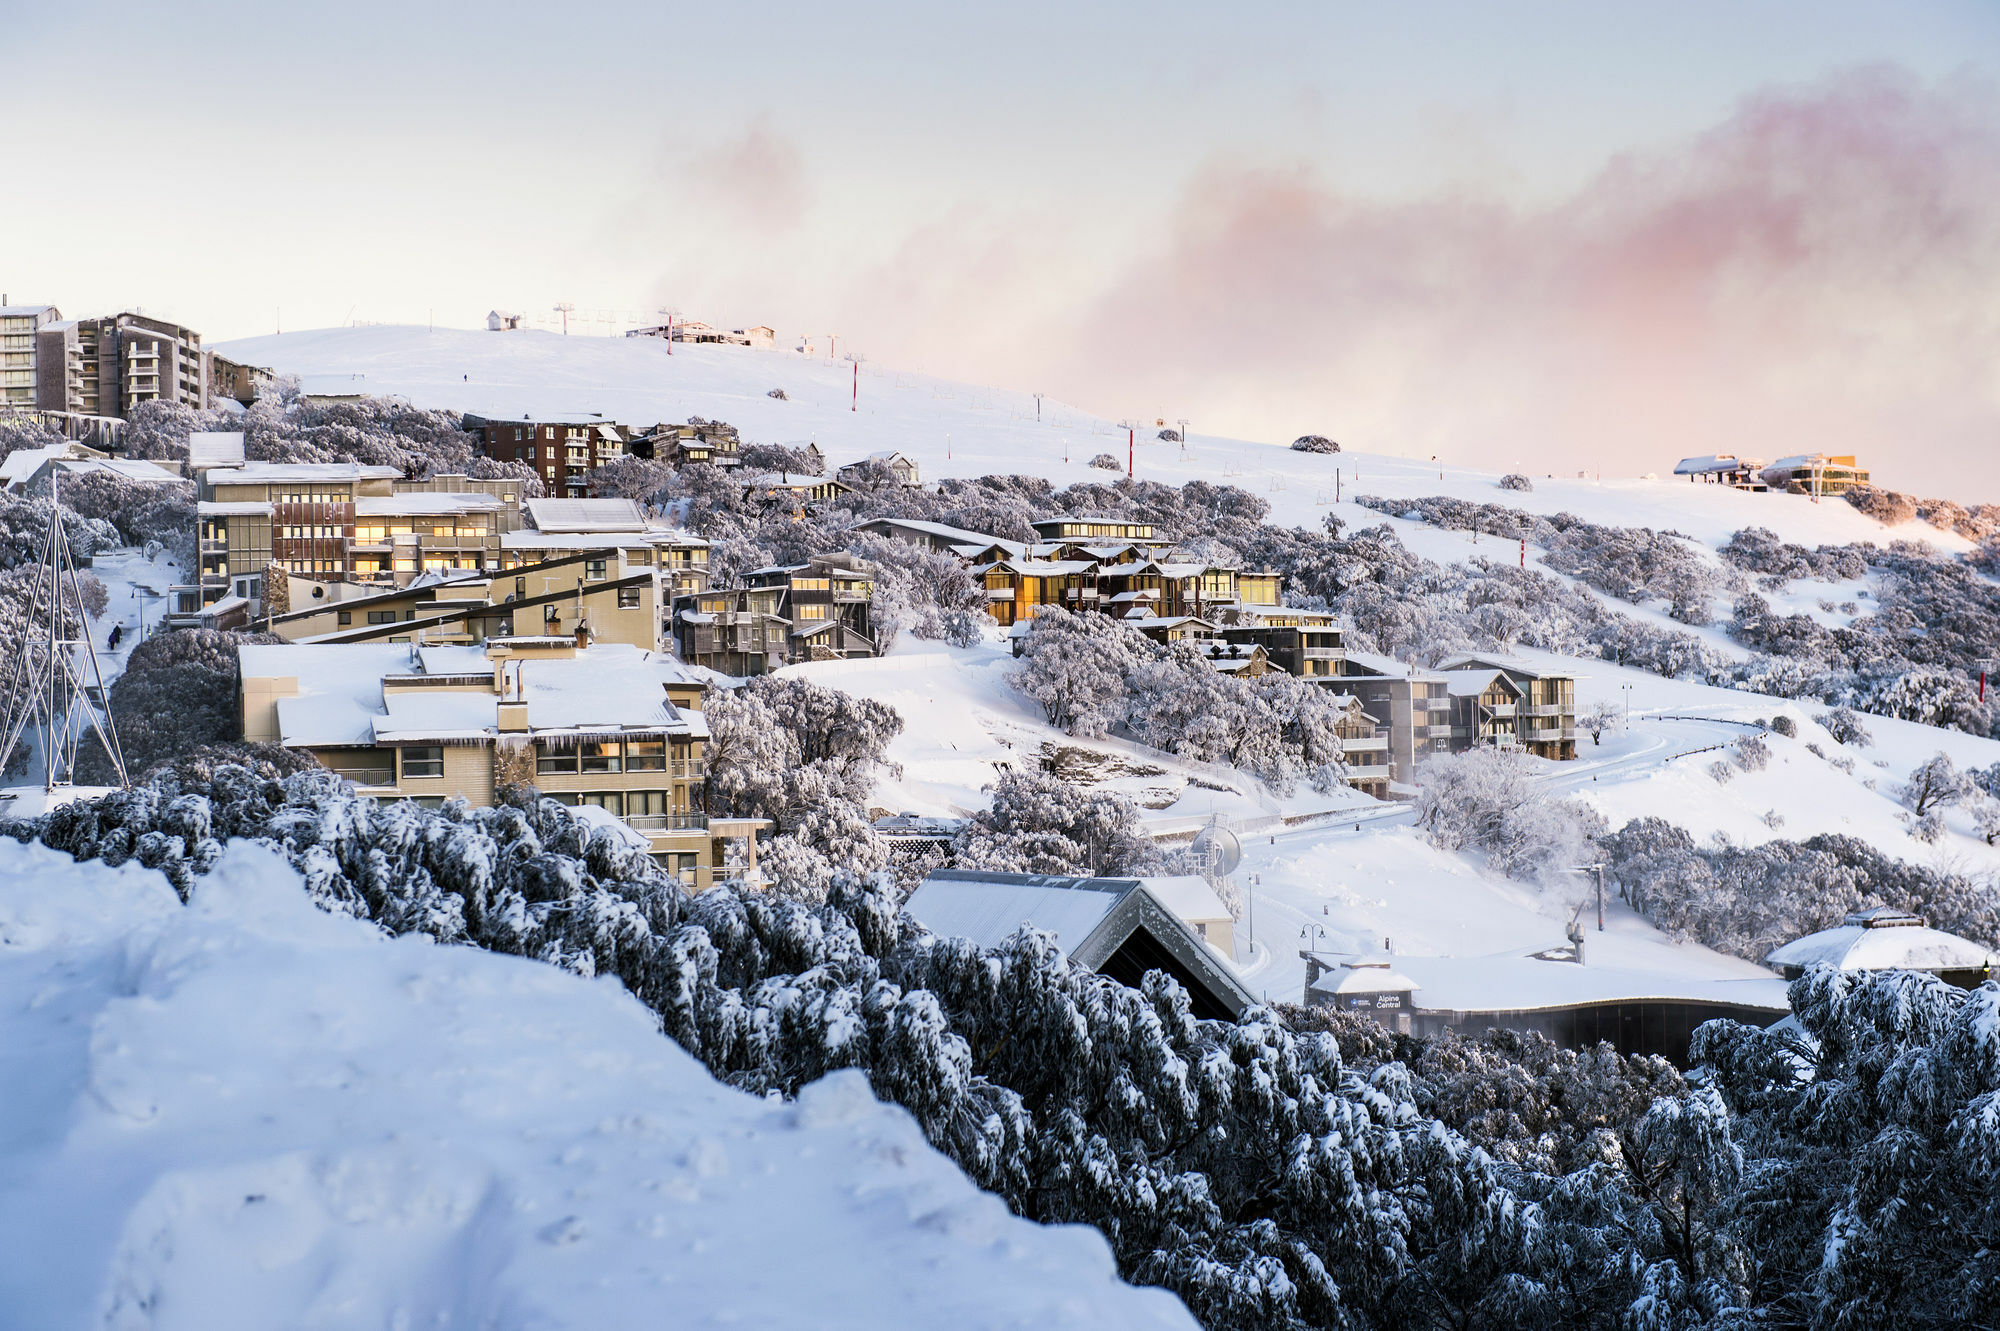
(1599, 868)
(1038, 408)
(1184, 439)
(1627, 690)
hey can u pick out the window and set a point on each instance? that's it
(645, 755)
(601, 756)
(345, 618)
(424, 760)
(381, 616)
(628, 598)
(812, 611)
(594, 569)
(608, 800)
(548, 758)
(520, 586)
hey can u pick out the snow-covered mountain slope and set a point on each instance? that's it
(963, 725)
(955, 430)
(247, 1113)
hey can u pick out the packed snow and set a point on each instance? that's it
(248, 1113)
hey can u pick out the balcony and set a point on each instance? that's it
(1545, 709)
(1502, 709)
(999, 593)
(1373, 744)
(667, 822)
(1551, 734)
(1434, 732)
(1326, 653)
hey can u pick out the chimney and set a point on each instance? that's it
(582, 635)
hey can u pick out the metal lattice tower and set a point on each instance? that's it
(46, 688)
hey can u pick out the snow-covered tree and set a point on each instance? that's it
(1488, 802)
(1597, 718)
(1934, 783)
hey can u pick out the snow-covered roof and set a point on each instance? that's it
(233, 508)
(1883, 939)
(988, 909)
(419, 502)
(131, 469)
(214, 448)
(22, 463)
(1513, 982)
(261, 473)
(1365, 975)
(24, 311)
(1715, 462)
(1188, 896)
(1512, 665)
(605, 687)
(941, 531)
(616, 540)
(586, 515)
(1472, 683)
(1371, 664)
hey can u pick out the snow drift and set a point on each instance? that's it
(247, 1113)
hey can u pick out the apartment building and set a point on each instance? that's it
(1544, 716)
(697, 441)
(237, 381)
(21, 364)
(340, 522)
(610, 726)
(1411, 708)
(1306, 643)
(564, 452)
(815, 611)
(123, 360)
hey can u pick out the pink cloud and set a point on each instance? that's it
(1817, 272)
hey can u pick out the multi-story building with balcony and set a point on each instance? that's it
(1544, 715)
(609, 532)
(564, 453)
(820, 610)
(1411, 706)
(22, 365)
(1306, 643)
(610, 726)
(324, 523)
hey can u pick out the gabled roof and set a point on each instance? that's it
(214, 448)
(1512, 666)
(1472, 683)
(1093, 920)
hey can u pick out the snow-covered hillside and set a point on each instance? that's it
(954, 429)
(249, 1113)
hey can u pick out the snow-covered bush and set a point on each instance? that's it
(1039, 823)
(1107, 462)
(1845, 726)
(1747, 900)
(1514, 480)
(1751, 753)
(1935, 783)
(1722, 772)
(1488, 802)
(1169, 436)
(1314, 443)
(929, 592)
(1784, 725)
(779, 394)
(757, 458)
(1885, 506)
(176, 697)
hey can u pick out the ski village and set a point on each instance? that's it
(1316, 888)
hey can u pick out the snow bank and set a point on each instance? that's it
(246, 1113)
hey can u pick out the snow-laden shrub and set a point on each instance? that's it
(779, 394)
(1722, 772)
(1751, 753)
(1107, 462)
(1488, 802)
(1845, 726)
(1169, 436)
(1039, 823)
(1314, 443)
(1514, 480)
(1885, 506)
(1935, 783)
(1784, 725)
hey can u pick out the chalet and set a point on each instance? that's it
(610, 726)
(1245, 660)
(1486, 710)
(1724, 469)
(903, 469)
(817, 611)
(499, 321)
(1815, 474)
(1545, 716)
(713, 442)
(761, 336)
(1180, 628)
(940, 536)
(1883, 938)
(1120, 928)
(1364, 748)
(1017, 587)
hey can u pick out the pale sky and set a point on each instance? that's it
(1548, 235)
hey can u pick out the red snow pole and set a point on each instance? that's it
(1524, 552)
(857, 387)
(1131, 454)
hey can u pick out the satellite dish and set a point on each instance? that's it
(1217, 850)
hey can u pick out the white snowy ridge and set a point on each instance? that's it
(246, 1113)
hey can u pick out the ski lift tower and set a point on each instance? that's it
(47, 689)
